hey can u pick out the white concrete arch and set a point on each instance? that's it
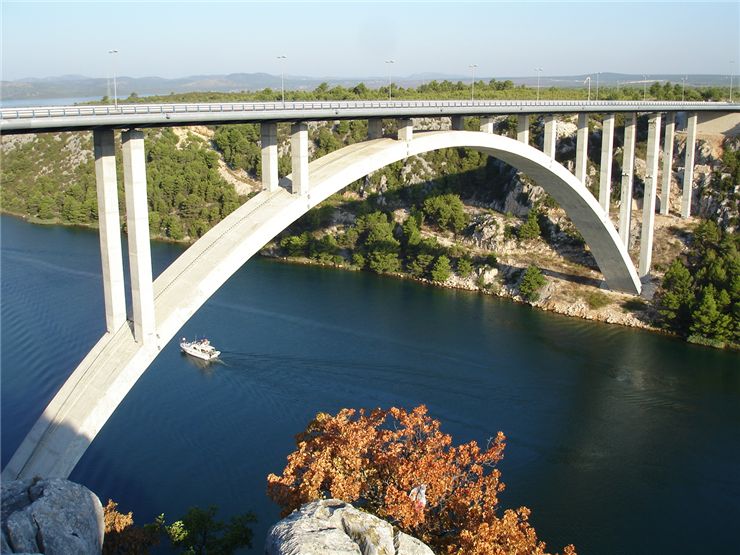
(101, 381)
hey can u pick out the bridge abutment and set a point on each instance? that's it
(457, 123)
(486, 124)
(522, 128)
(665, 192)
(109, 228)
(137, 225)
(549, 142)
(688, 172)
(582, 147)
(648, 204)
(605, 173)
(268, 140)
(405, 129)
(299, 157)
(628, 169)
(374, 128)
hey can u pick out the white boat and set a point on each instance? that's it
(199, 348)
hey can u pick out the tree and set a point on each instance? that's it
(531, 228)
(122, 537)
(447, 211)
(199, 533)
(531, 283)
(377, 459)
(441, 270)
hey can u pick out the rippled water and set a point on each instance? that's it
(621, 441)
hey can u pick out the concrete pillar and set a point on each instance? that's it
(458, 123)
(268, 138)
(607, 148)
(299, 157)
(374, 128)
(522, 128)
(109, 228)
(688, 172)
(548, 146)
(651, 189)
(486, 124)
(582, 147)
(665, 192)
(137, 224)
(405, 130)
(628, 170)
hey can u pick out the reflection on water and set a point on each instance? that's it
(620, 441)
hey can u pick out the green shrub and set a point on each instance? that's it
(531, 283)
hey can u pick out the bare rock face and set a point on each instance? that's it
(53, 516)
(333, 526)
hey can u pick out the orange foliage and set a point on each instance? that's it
(121, 536)
(376, 460)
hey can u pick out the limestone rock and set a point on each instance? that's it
(53, 516)
(333, 526)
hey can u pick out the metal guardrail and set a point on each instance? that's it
(53, 118)
(134, 109)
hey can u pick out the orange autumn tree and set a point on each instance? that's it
(399, 466)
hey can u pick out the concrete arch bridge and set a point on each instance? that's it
(160, 308)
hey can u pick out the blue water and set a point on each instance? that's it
(619, 440)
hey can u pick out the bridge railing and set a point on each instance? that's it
(230, 107)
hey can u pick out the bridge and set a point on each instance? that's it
(160, 308)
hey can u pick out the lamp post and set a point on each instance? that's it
(539, 71)
(115, 86)
(589, 87)
(644, 88)
(390, 85)
(472, 85)
(732, 69)
(683, 89)
(282, 78)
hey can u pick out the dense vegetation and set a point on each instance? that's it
(52, 178)
(399, 466)
(700, 298)
(459, 90)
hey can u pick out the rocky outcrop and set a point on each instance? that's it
(53, 516)
(336, 527)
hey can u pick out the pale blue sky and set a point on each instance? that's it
(345, 39)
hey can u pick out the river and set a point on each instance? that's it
(619, 440)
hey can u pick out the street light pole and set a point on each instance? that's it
(644, 87)
(589, 87)
(472, 87)
(732, 70)
(282, 78)
(390, 85)
(539, 71)
(683, 90)
(115, 86)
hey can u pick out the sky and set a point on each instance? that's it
(353, 38)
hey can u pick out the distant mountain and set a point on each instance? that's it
(79, 86)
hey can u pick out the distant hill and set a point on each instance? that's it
(79, 86)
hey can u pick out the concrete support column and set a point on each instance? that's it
(665, 192)
(405, 130)
(374, 128)
(688, 172)
(137, 224)
(548, 146)
(628, 169)
(109, 228)
(268, 138)
(582, 147)
(651, 189)
(458, 123)
(486, 124)
(522, 128)
(299, 157)
(607, 148)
